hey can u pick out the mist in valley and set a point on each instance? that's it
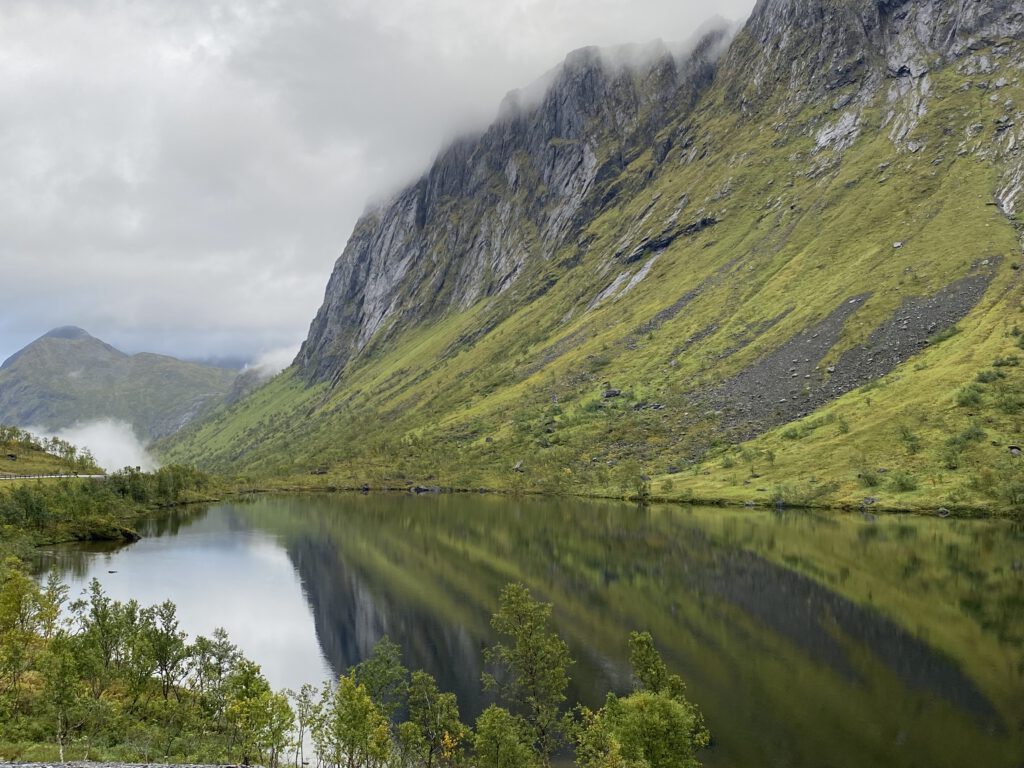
(112, 443)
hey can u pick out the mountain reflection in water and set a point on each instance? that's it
(807, 640)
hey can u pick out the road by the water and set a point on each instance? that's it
(51, 477)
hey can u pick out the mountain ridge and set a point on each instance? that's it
(614, 285)
(367, 281)
(67, 376)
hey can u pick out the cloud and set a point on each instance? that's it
(271, 363)
(113, 443)
(180, 177)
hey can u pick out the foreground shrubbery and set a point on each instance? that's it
(103, 679)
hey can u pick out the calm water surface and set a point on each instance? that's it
(807, 640)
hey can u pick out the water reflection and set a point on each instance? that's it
(806, 640)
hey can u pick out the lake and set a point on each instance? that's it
(807, 639)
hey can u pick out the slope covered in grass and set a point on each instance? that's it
(789, 285)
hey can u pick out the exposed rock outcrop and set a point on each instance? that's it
(801, 50)
(492, 203)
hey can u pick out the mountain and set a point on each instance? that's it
(67, 376)
(780, 265)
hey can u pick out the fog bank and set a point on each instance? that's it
(114, 444)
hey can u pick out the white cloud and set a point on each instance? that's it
(274, 361)
(114, 444)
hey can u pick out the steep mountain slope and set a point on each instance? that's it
(67, 376)
(654, 268)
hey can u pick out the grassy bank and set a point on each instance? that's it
(36, 512)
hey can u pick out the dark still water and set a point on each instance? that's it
(807, 640)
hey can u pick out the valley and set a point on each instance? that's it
(673, 417)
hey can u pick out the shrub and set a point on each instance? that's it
(1010, 399)
(973, 434)
(869, 478)
(912, 441)
(902, 482)
(945, 333)
(1011, 361)
(951, 456)
(792, 433)
(987, 377)
(968, 396)
(1004, 482)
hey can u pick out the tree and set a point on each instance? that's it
(655, 727)
(138, 662)
(167, 645)
(262, 720)
(385, 678)
(434, 731)
(62, 689)
(534, 666)
(305, 716)
(213, 659)
(51, 603)
(351, 730)
(19, 599)
(650, 670)
(646, 729)
(102, 636)
(502, 740)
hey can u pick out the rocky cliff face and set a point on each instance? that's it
(800, 50)
(519, 194)
(795, 53)
(492, 204)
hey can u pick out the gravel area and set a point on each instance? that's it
(792, 381)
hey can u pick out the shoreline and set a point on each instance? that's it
(957, 512)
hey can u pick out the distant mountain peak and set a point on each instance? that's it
(68, 332)
(68, 376)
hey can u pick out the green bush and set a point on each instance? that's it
(968, 396)
(902, 482)
(910, 440)
(869, 478)
(951, 456)
(945, 333)
(973, 434)
(987, 377)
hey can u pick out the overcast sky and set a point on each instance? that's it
(179, 176)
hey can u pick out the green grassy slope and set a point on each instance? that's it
(801, 231)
